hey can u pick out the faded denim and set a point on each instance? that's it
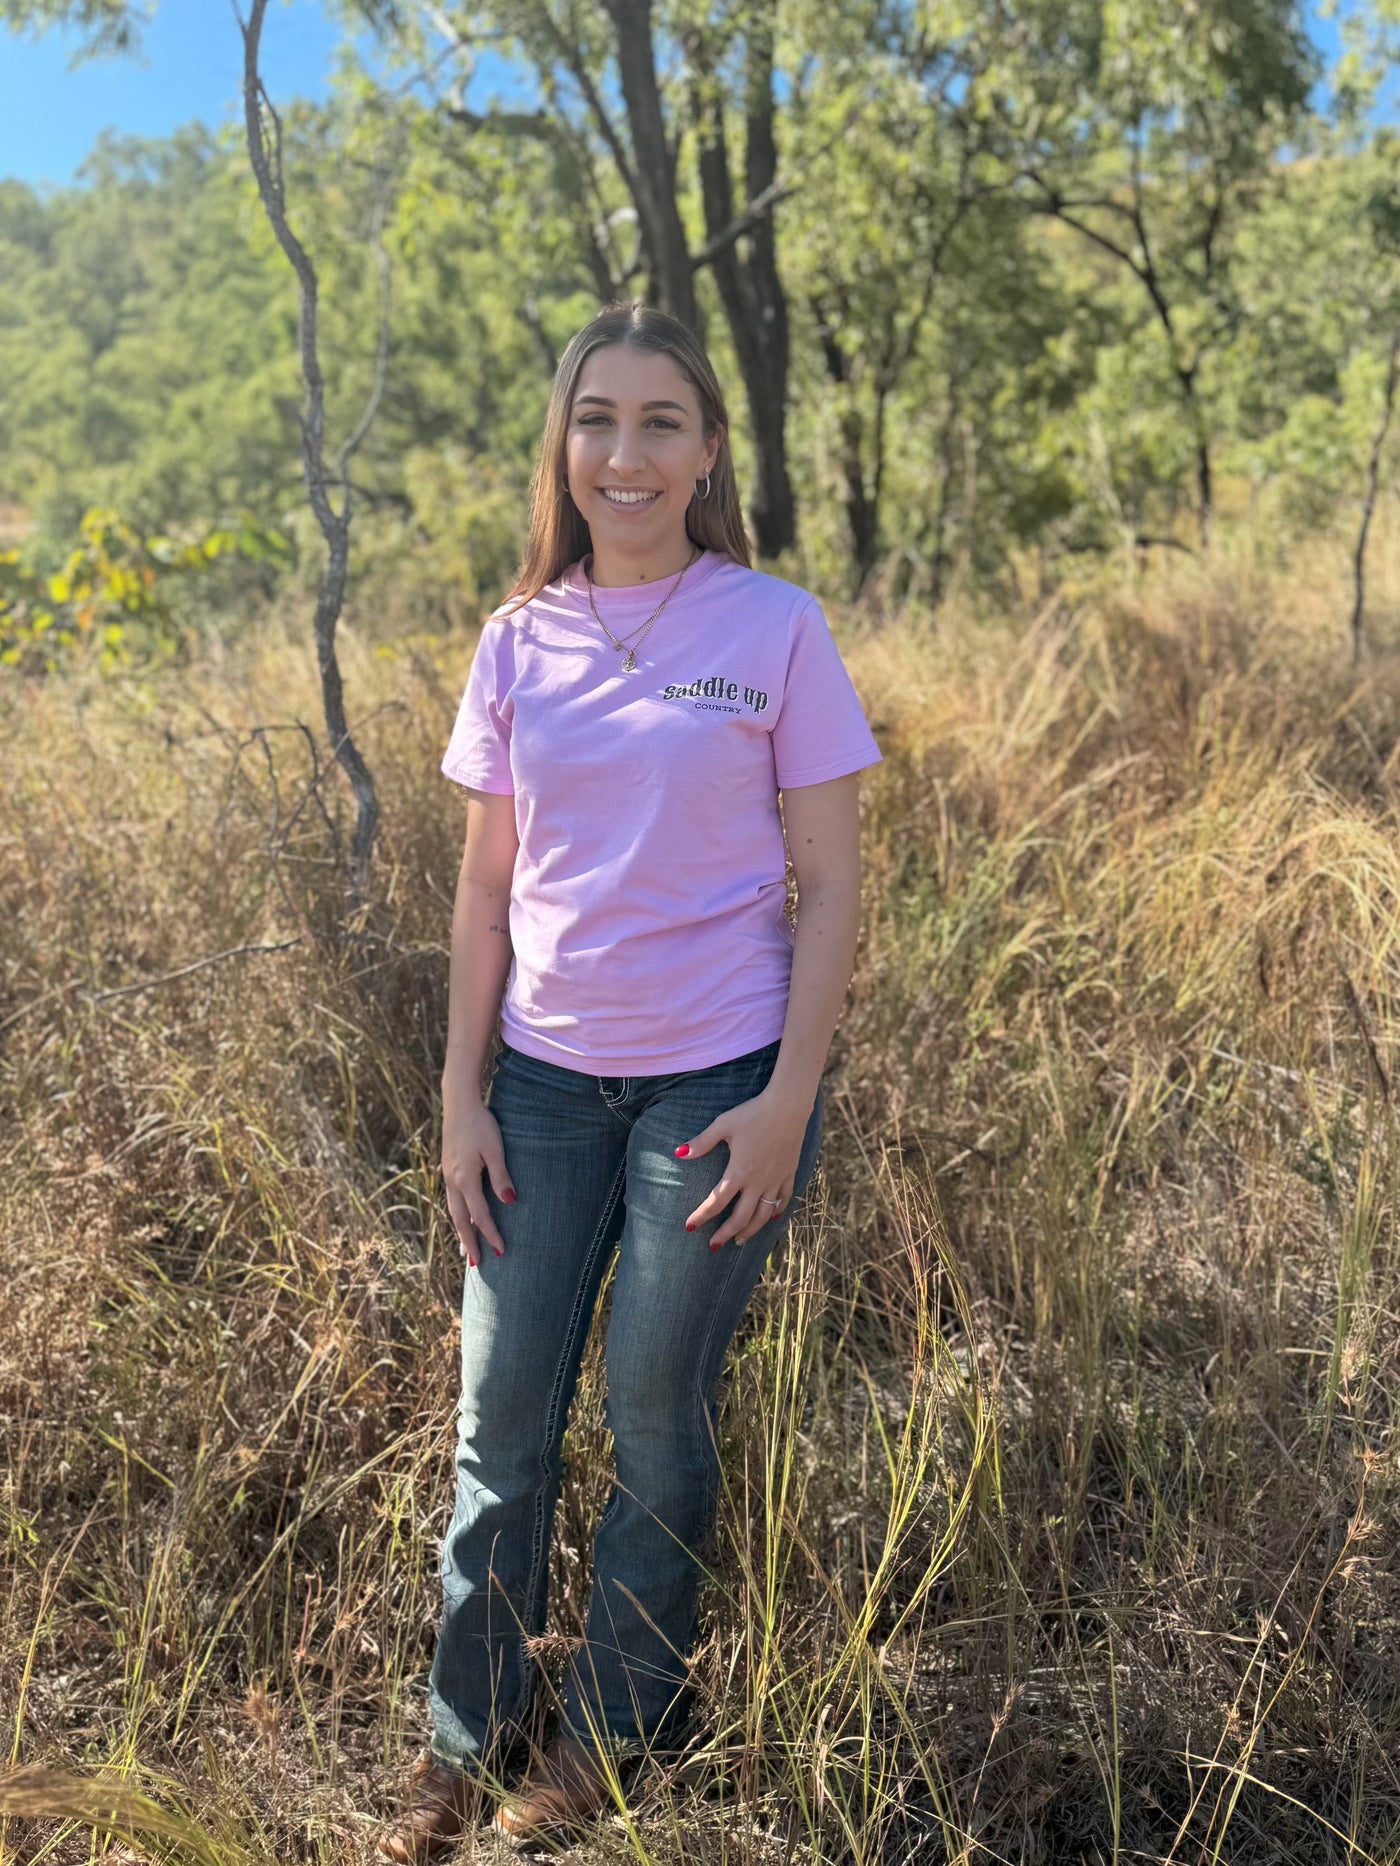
(592, 1159)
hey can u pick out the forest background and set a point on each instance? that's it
(1062, 340)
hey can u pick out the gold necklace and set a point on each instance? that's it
(621, 642)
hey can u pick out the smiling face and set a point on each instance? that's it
(635, 447)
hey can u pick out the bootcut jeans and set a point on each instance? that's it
(592, 1160)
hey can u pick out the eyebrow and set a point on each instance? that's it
(603, 402)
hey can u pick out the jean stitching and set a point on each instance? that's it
(540, 1547)
(781, 1219)
(613, 1501)
(702, 1420)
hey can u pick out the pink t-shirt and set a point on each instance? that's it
(647, 908)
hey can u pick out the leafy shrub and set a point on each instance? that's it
(115, 592)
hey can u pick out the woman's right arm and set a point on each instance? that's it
(481, 955)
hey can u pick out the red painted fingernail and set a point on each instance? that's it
(499, 1253)
(717, 1247)
(690, 1227)
(509, 1195)
(682, 1152)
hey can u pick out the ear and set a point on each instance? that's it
(713, 443)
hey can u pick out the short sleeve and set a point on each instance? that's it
(821, 730)
(478, 753)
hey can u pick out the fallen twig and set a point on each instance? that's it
(165, 978)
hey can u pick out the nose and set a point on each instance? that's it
(628, 450)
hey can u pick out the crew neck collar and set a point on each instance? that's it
(619, 595)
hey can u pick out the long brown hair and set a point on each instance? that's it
(559, 534)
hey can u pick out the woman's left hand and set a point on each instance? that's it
(765, 1143)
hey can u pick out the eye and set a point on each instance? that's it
(653, 421)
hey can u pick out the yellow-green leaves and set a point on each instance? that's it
(115, 589)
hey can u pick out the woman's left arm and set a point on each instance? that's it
(765, 1135)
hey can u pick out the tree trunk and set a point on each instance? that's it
(940, 556)
(1205, 497)
(1205, 489)
(1373, 479)
(861, 512)
(750, 289)
(653, 175)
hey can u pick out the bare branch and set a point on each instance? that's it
(524, 122)
(567, 47)
(199, 965)
(1057, 207)
(758, 209)
(764, 202)
(335, 527)
(567, 142)
(530, 316)
(438, 18)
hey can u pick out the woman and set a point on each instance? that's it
(629, 721)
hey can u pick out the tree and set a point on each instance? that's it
(1038, 277)
(741, 247)
(620, 129)
(1151, 131)
(1371, 32)
(105, 25)
(264, 131)
(908, 170)
(145, 349)
(1383, 221)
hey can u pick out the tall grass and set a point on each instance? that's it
(1061, 1470)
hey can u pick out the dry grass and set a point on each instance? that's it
(1060, 1442)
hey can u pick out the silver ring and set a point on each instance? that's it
(770, 1201)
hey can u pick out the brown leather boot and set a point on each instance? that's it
(568, 1791)
(442, 1804)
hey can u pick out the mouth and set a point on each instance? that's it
(628, 501)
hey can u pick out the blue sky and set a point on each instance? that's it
(191, 67)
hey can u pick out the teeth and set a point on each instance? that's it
(628, 498)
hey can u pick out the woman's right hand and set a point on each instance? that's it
(471, 1145)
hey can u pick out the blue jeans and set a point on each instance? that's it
(593, 1163)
